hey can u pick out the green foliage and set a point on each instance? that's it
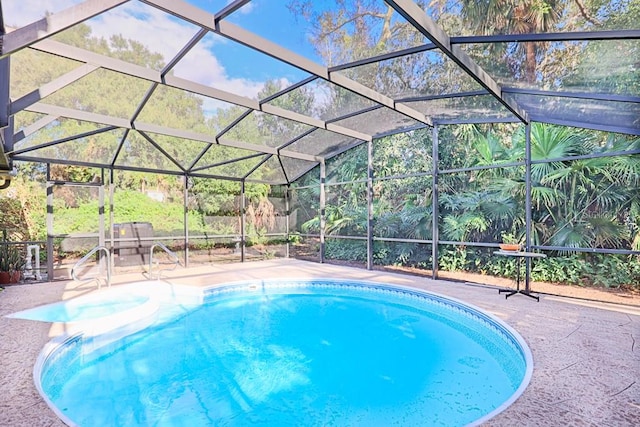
(350, 250)
(401, 254)
(11, 259)
(166, 217)
(590, 203)
(455, 259)
(603, 270)
(611, 271)
(558, 270)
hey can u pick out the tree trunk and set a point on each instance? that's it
(530, 62)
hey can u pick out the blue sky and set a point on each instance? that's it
(271, 20)
(215, 61)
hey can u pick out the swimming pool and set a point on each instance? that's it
(320, 352)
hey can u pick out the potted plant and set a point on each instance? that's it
(11, 262)
(510, 242)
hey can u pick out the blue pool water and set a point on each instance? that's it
(295, 354)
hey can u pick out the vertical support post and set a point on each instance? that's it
(370, 205)
(7, 137)
(6, 121)
(528, 219)
(101, 215)
(185, 206)
(287, 211)
(434, 203)
(243, 219)
(112, 190)
(49, 225)
(4, 96)
(101, 258)
(323, 201)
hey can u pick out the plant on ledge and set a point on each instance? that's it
(510, 242)
(11, 261)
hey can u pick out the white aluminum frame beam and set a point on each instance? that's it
(70, 113)
(205, 19)
(226, 162)
(260, 44)
(34, 127)
(63, 140)
(162, 130)
(52, 24)
(51, 87)
(60, 49)
(430, 29)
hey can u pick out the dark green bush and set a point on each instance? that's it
(342, 249)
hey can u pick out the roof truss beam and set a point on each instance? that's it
(549, 37)
(122, 167)
(177, 133)
(57, 48)
(284, 171)
(147, 127)
(220, 134)
(230, 8)
(67, 139)
(255, 168)
(52, 87)
(61, 49)
(575, 95)
(430, 29)
(226, 162)
(183, 52)
(162, 150)
(84, 116)
(586, 125)
(288, 89)
(204, 19)
(385, 57)
(498, 38)
(170, 65)
(34, 127)
(52, 24)
(114, 159)
(444, 96)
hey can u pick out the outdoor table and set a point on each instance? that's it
(520, 255)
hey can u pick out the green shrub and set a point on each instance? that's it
(351, 250)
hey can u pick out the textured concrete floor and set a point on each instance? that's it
(586, 359)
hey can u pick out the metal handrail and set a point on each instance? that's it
(84, 259)
(172, 255)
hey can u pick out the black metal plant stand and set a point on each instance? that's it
(520, 256)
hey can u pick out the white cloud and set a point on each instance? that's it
(163, 33)
(18, 13)
(246, 9)
(203, 67)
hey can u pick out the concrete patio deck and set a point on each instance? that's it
(586, 359)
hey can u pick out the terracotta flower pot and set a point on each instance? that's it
(5, 277)
(510, 246)
(8, 278)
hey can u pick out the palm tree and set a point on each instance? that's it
(514, 17)
(584, 202)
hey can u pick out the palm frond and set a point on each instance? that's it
(571, 235)
(607, 232)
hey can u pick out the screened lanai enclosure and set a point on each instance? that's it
(383, 133)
